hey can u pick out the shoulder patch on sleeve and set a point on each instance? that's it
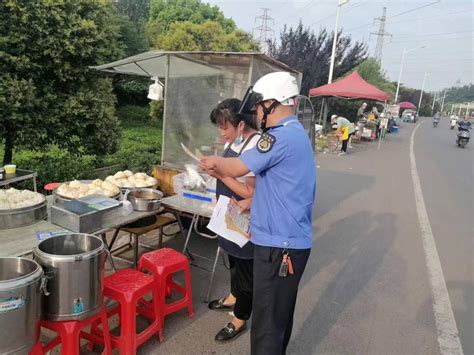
(265, 143)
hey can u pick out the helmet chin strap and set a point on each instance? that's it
(266, 112)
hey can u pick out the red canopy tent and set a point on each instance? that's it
(407, 104)
(352, 86)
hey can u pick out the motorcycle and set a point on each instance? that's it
(435, 122)
(463, 137)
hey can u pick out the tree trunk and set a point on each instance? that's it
(8, 153)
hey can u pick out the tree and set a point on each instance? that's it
(47, 93)
(413, 96)
(303, 50)
(136, 10)
(208, 36)
(164, 13)
(372, 72)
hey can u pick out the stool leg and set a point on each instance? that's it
(106, 332)
(70, 340)
(128, 328)
(189, 292)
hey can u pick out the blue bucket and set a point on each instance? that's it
(394, 129)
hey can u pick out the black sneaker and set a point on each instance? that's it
(218, 305)
(229, 332)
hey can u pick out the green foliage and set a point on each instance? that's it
(459, 95)
(208, 36)
(56, 165)
(372, 72)
(310, 53)
(136, 10)
(163, 13)
(156, 110)
(132, 36)
(140, 145)
(48, 94)
(131, 91)
(413, 96)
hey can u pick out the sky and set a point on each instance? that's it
(443, 27)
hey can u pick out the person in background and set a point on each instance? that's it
(240, 133)
(361, 112)
(345, 129)
(281, 213)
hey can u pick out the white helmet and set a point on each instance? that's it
(280, 86)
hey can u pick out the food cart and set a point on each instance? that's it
(194, 83)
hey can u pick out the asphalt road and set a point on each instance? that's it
(366, 288)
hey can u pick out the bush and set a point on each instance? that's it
(55, 165)
(140, 145)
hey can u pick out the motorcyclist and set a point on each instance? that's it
(454, 121)
(436, 119)
(464, 124)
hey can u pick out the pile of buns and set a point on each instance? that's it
(13, 198)
(77, 189)
(127, 179)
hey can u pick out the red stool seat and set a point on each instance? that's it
(51, 186)
(162, 264)
(128, 287)
(70, 333)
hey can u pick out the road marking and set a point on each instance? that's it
(448, 336)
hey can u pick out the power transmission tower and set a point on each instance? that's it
(381, 34)
(264, 33)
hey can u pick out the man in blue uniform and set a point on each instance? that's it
(281, 213)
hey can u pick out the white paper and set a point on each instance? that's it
(217, 223)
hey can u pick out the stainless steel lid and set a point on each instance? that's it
(70, 247)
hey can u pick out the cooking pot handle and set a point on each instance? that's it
(44, 285)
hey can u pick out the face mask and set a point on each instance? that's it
(239, 139)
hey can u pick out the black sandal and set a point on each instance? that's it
(218, 305)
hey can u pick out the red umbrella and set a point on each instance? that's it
(406, 104)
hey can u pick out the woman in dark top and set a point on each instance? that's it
(240, 133)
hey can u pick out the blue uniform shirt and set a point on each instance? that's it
(281, 214)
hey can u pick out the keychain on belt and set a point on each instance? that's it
(286, 266)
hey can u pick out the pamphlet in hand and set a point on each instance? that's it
(227, 222)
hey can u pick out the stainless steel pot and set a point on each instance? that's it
(144, 199)
(20, 304)
(18, 217)
(74, 266)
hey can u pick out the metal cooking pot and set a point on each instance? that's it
(144, 199)
(20, 304)
(74, 266)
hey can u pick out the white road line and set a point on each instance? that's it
(448, 336)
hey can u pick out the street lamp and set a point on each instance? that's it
(334, 43)
(422, 88)
(404, 52)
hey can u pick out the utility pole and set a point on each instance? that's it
(442, 103)
(334, 42)
(434, 101)
(264, 33)
(422, 88)
(381, 34)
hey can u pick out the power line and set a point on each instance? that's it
(415, 9)
(266, 33)
(399, 14)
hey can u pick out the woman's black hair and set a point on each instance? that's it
(227, 111)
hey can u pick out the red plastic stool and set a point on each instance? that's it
(163, 263)
(70, 333)
(128, 287)
(51, 186)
